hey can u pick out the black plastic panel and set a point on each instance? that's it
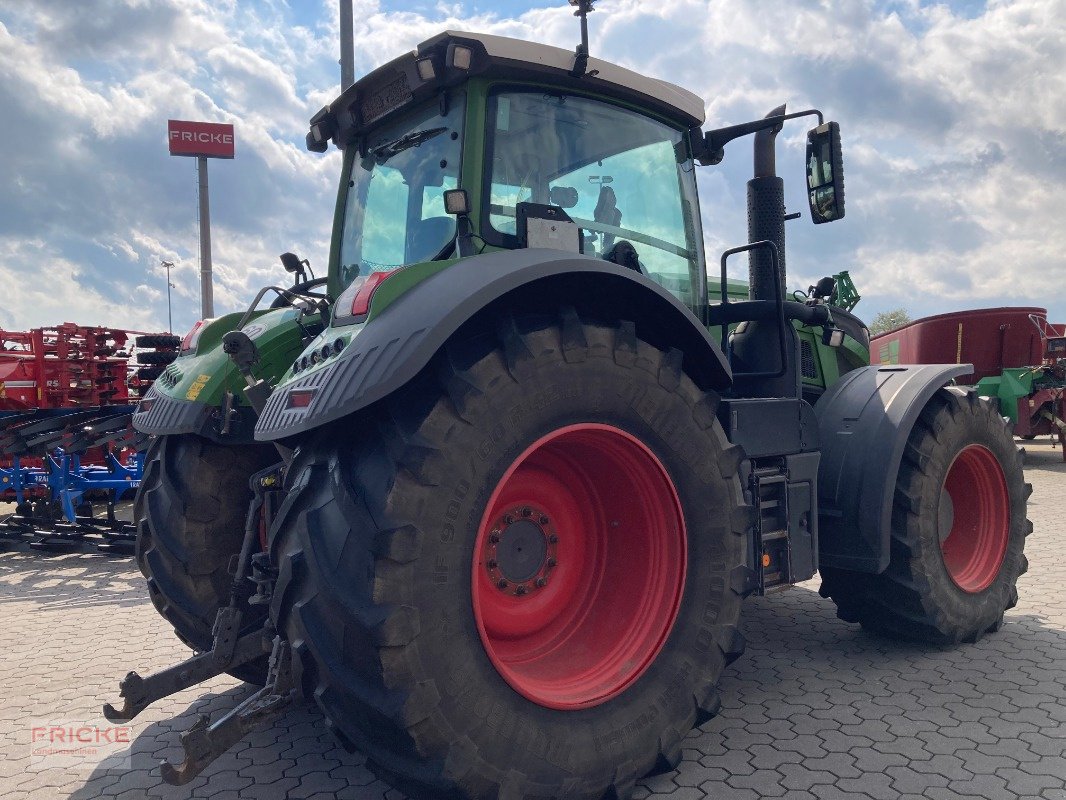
(167, 415)
(865, 419)
(769, 427)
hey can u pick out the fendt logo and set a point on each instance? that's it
(210, 139)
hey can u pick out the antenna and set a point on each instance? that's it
(581, 55)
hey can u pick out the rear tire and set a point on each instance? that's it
(384, 567)
(190, 512)
(958, 530)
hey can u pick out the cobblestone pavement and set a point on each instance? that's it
(815, 709)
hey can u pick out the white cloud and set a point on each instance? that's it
(56, 295)
(954, 133)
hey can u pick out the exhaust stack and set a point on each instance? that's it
(766, 214)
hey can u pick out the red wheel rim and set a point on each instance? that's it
(976, 542)
(579, 566)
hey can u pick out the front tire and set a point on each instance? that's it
(958, 530)
(519, 577)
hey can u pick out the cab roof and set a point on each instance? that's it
(452, 57)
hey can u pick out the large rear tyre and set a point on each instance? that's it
(190, 512)
(520, 576)
(958, 530)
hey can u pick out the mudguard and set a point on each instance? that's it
(396, 344)
(864, 421)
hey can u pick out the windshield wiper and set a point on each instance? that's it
(383, 152)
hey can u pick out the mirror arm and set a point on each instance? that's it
(710, 148)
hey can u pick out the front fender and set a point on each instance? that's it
(864, 421)
(398, 343)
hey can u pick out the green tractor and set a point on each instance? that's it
(492, 493)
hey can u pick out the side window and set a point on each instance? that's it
(616, 172)
(504, 198)
(640, 189)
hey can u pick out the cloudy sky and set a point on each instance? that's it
(953, 116)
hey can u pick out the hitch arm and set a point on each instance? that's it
(138, 693)
(203, 743)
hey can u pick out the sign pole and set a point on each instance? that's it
(202, 140)
(347, 45)
(207, 301)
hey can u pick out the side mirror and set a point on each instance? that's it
(825, 173)
(297, 266)
(291, 262)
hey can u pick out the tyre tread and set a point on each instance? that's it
(372, 654)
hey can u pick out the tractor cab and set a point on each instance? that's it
(474, 143)
(599, 165)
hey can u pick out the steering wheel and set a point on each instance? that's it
(302, 289)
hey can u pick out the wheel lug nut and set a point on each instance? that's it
(520, 590)
(492, 563)
(527, 512)
(494, 538)
(502, 584)
(550, 562)
(543, 520)
(542, 582)
(553, 538)
(508, 520)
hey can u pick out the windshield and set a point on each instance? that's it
(620, 176)
(394, 211)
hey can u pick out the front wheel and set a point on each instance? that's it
(519, 577)
(958, 530)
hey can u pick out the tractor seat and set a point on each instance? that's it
(624, 254)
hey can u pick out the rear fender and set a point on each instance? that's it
(864, 421)
(394, 346)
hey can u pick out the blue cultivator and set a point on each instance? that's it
(65, 464)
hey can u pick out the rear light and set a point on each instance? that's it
(354, 301)
(301, 398)
(192, 338)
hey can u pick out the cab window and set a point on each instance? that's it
(620, 176)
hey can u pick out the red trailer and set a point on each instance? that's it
(1019, 360)
(992, 339)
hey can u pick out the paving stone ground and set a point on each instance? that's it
(815, 709)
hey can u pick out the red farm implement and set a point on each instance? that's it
(1019, 361)
(66, 445)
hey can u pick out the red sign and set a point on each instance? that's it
(200, 139)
